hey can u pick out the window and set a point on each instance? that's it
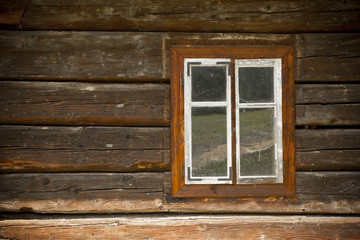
(232, 121)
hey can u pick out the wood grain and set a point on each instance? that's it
(328, 115)
(328, 57)
(81, 192)
(53, 149)
(195, 16)
(327, 160)
(188, 227)
(80, 55)
(309, 199)
(104, 56)
(71, 103)
(74, 149)
(11, 12)
(327, 139)
(327, 93)
(317, 192)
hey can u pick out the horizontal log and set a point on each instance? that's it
(328, 115)
(103, 56)
(184, 227)
(55, 103)
(318, 202)
(327, 93)
(328, 160)
(80, 55)
(194, 16)
(327, 139)
(80, 192)
(133, 192)
(328, 183)
(11, 13)
(51, 103)
(328, 57)
(57, 149)
(73, 149)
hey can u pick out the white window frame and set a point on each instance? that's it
(276, 105)
(188, 104)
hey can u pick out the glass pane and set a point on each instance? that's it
(256, 84)
(209, 152)
(208, 83)
(257, 155)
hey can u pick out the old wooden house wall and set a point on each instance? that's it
(85, 112)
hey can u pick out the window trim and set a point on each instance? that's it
(179, 189)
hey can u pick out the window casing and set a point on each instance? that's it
(232, 135)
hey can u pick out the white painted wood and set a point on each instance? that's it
(277, 105)
(188, 104)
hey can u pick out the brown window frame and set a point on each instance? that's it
(179, 188)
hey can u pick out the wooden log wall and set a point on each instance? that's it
(85, 114)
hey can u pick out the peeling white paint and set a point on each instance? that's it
(88, 88)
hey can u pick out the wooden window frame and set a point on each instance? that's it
(179, 188)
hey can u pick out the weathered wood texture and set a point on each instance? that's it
(184, 227)
(51, 103)
(62, 149)
(328, 57)
(328, 197)
(327, 149)
(325, 160)
(195, 16)
(11, 12)
(325, 139)
(317, 192)
(54, 103)
(73, 149)
(328, 115)
(80, 55)
(327, 93)
(80, 192)
(125, 56)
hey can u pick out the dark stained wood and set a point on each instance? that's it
(80, 55)
(70, 103)
(327, 149)
(11, 12)
(330, 44)
(338, 192)
(81, 192)
(327, 139)
(327, 93)
(328, 115)
(327, 160)
(104, 56)
(195, 16)
(187, 227)
(329, 57)
(69, 149)
(328, 183)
